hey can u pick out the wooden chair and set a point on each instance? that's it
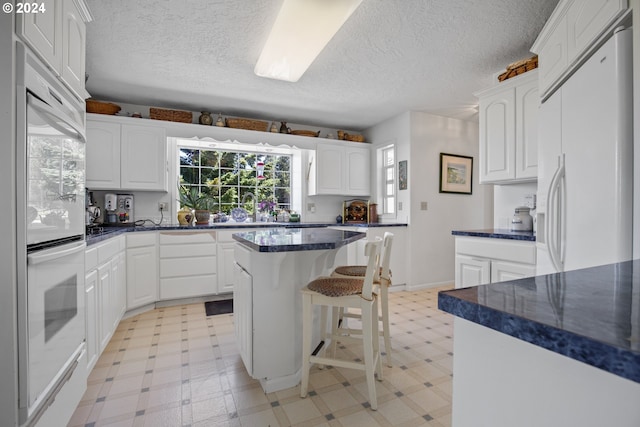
(341, 292)
(382, 281)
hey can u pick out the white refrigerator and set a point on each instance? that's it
(585, 175)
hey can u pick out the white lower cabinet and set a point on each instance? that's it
(105, 284)
(243, 314)
(142, 269)
(188, 264)
(481, 260)
(226, 263)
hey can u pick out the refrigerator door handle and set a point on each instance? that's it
(553, 229)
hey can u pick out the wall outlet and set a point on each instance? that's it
(163, 206)
(423, 206)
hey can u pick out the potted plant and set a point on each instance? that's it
(192, 199)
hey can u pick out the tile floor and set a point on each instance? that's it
(176, 367)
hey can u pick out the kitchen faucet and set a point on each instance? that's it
(244, 199)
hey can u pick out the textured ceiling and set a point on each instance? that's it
(390, 57)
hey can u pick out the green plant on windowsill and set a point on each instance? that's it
(191, 198)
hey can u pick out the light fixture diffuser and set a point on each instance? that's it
(302, 29)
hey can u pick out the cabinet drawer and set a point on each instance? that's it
(108, 249)
(90, 259)
(242, 256)
(185, 287)
(182, 237)
(501, 249)
(135, 240)
(181, 267)
(190, 250)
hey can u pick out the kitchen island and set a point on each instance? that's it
(554, 350)
(272, 265)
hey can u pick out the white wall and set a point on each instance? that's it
(8, 327)
(420, 138)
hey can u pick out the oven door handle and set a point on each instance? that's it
(49, 113)
(46, 256)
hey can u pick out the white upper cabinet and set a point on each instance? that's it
(570, 33)
(125, 156)
(73, 51)
(57, 34)
(340, 170)
(508, 130)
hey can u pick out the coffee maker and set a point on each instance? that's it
(124, 209)
(110, 206)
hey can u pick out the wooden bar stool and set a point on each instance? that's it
(381, 282)
(341, 292)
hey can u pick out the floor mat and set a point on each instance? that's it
(218, 307)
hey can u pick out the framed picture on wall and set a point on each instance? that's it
(455, 173)
(402, 175)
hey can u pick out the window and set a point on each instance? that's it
(231, 177)
(388, 172)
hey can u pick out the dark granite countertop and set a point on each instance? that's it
(497, 233)
(108, 232)
(296, 239)
(590, 315)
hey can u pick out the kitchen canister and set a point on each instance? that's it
(522, 220)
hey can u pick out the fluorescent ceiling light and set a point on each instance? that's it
(302, 29)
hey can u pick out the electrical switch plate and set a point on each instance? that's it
(530, 201)
(423, 206)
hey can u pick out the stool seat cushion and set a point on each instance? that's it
(353, 270)
(336, 286)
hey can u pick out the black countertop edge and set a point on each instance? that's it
(307, 244)
(496, 233)
(115, 231)
(601, 340)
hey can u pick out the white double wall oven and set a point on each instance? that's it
(50, 177)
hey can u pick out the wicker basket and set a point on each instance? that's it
(519, 67)
(305, 133)
(247, 124)
(99, 107)
(354, 138)
(170, 115)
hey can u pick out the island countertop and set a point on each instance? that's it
(296, 239)
(590, 315)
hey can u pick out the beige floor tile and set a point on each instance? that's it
(301, 410)
(208, 408)
(260, 419)
(338, 399)
(170, 417)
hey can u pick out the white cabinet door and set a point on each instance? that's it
(587, 21)
(103, 155)
(143, 158)
(243, 315)
(526, 153)
(497, 136)
(142, 276)
(118, 268)
(226, 263)
(329, 169)
(502, 271)
(472, 271)
(552, 57)
(43, 32)
(358, 180)
(73, 52)
(92, 316)
(105, 280)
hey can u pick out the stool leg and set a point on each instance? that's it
(368, 345)
(335, 321)
(376, 340)
(307, 319)
(384, 297)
